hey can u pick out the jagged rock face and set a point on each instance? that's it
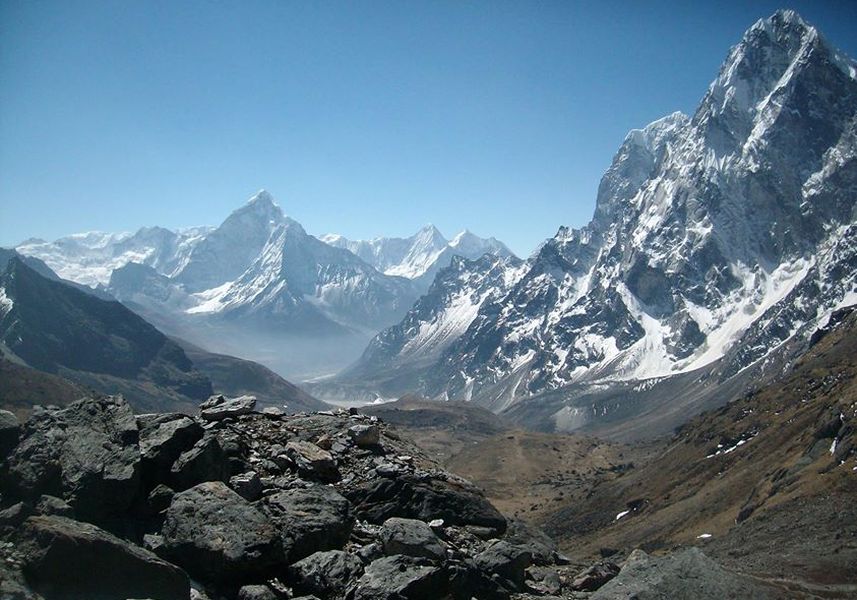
(726, 230)
(440, 316)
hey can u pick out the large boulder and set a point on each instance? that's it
(310, 520)
(411, 537)
(163, 438)
(401, 578)
(71, 560)
(414, 498)
(365, 436)
(325, 574)
(506, 560)
(205, 461)
(219, 536)
(595, 576)
(87, 454)
(686, 574)
(313, 462)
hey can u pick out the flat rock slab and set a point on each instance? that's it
(218, 408)
(68, 559)
(595, 576)
(219, 536)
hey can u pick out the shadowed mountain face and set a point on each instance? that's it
(60, 340)
(58, 329)
(716, 239)
(237, 377)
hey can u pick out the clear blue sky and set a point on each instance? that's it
(362, 118)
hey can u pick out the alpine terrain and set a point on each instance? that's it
(422, 255)
(718, 241)
(259, 286)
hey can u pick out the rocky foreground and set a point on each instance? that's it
(100, 503)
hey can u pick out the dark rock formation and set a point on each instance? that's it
(218, 536)
(68, 559)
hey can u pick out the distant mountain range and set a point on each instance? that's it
(420, 256)
(259, 279)
(718, 240)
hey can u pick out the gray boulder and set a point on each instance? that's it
(325, 574)
(401, 578)
(310, 520)
(86, 454)
(412, 538)
(206, 461)
(506, 560)
(218, 536)
(256, 592)
(217, 408)
(595, 576)
(72, 560)
(365, 436)
(163, 438)
(248, 485)
(411, 497)
(313, 462)
(685, 575)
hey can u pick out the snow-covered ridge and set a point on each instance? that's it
(715, 238)
(420, 256)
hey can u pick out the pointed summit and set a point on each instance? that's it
(262, 198)
(228, 250)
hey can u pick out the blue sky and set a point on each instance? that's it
(362, 118)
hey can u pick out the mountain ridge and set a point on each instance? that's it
(715, 239)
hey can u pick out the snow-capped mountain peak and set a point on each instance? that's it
(420, 256)
(715, 239)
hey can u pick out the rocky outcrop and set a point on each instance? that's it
(331, 503)
(219, 407)
(87, 453)
(97, 503)
(685, 574)
(412, 538)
